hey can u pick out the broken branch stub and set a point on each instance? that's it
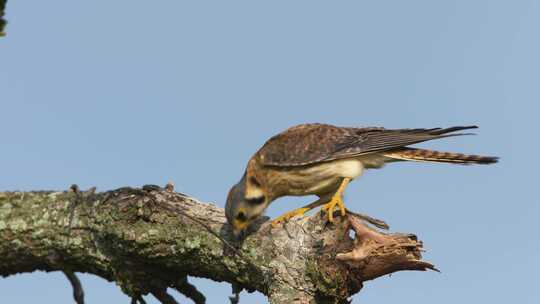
(379, 254)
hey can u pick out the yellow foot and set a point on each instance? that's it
(329, 207)
(287, 216)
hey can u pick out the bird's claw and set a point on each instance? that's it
(287, 216)
(328, 208)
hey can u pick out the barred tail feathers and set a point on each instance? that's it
(424, 155)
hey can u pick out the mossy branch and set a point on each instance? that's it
(149, 239)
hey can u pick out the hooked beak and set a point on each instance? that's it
(239, 229)
(238, 234)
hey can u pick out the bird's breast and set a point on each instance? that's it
(319, 178)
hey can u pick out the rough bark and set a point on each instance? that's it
(149, 239)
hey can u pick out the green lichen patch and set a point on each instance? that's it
(37, 233)
(330, 284)
(5, 210)
(18, 225)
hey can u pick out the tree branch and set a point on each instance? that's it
(190, 291)
(146, 240)
(3, 21)
(78, 292)
(163, 296)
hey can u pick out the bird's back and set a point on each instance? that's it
(308, 144)
(311, 158)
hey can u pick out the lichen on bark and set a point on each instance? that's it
(148, 239)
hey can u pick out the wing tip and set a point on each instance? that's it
(441, 131)
(487, 160)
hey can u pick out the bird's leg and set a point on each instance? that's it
(337, 199)
(300, 211)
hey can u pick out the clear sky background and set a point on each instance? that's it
(115, 93)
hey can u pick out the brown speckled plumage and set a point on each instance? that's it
(319, 158)
(283, 165)
(312, 143)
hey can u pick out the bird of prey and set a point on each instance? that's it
(322, 159)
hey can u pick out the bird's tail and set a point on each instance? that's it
(439, 157)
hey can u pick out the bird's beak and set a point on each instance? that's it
(238, 233)
(239, 228)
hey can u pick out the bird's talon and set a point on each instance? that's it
(330, 206)
(287, 216)
(277, 221)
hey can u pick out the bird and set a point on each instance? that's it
(322, 159)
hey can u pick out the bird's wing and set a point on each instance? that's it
(314, 143)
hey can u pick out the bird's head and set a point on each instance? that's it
(245, 204)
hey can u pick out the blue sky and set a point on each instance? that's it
(109, 94)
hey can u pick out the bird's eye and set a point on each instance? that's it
(241, 216)
(255, 200)
(254, 181)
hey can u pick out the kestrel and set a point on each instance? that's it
(322, 159)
